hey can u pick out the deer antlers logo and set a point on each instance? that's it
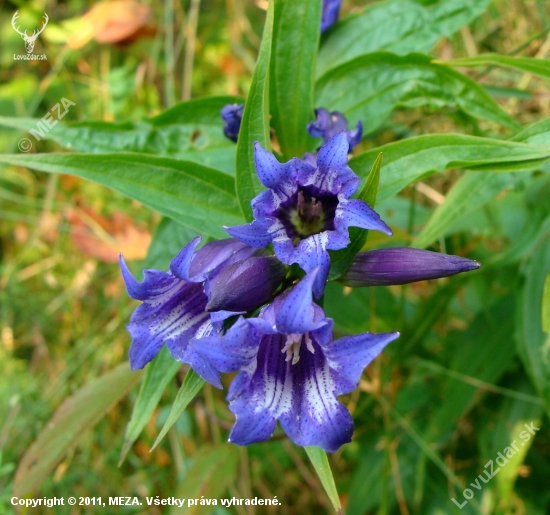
(29, 40)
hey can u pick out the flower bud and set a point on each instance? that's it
(402, 265)
(245, 285)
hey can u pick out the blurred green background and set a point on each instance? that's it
(423, 424)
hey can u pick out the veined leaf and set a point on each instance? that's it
(294, 51)
(468, 194)
(190, 387)
(399, 26)
(157, 375)
(371, 86)
(319, 460)
(546, 306)
(538, 133)
(191, 131)
(196, 196)
(212, 471)
(255, 123)
(340, 260)
(540, 67)
(78, 413)
(408, 160)
(531, 340)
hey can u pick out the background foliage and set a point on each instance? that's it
(465, 138)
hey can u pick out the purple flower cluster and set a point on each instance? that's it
(235, 306)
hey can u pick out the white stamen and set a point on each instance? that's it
(292, 346)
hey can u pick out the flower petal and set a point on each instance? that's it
(235, 350)
(311, 253)
(179, 266)
(171, 312)
(254, 234)
(271, 173)
(267, 395)
(329, 14)
(296, 314)
(357, 213)
(316, 417)
(333, 155)
(348, 356)
(354, 137)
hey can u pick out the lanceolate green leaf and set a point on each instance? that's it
(294, 51)
(540, 67)
(319, 460)
(399, 26)
(77, 414)
(190, 387)
(213, 469)
(538, 133)
(200, 198)
(411, 159)
(531, 340)
(157, 375)
(191, 131)
(468, 194)
(371, 86)
(546, 306)
(340, 260)
(255, 123)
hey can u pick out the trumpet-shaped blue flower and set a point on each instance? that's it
(307, 209)
(173, 309)
(328, 124)
(291, 370)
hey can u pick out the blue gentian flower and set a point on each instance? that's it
(328, 124)
(291, 370)
(330, 13)
(402, 265)
(174, 303)
(307, 209)
(232, 115)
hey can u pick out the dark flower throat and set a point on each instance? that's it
(309, 211)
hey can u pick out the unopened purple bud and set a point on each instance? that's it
(245, 285)
(402, 265)
(216, 255)
(232, 115)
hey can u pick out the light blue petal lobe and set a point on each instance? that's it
(356, 213)
(254, 234)
(333, 155)
(303, 171)
(135, 289)
(201, 366)
(270, 172)
(312, 254)
(181, 263)
(316, 417)
(171, 313)
(267, 395)
(348, 356)
(296, 313)
(233, 351)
